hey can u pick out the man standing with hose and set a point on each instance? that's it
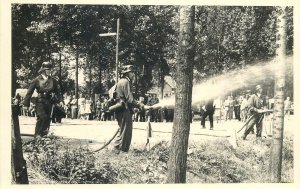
(255, 113)
(124, 108)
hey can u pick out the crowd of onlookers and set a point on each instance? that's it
(232, 107)
(85, 108)
(24, 111)
(235, 107)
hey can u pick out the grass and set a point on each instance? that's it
(210, 161)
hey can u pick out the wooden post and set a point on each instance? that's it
(18, 164)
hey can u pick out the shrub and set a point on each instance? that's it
(60, 163)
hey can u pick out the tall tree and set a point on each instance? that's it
(276, 147)
(226, 38)
(184, 78)
(18, 164)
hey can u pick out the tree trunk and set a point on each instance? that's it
(76, 77)
(89, 63)
(59, 76)
(181, 126)
(18, 164)
(276, 147)
(162, 81)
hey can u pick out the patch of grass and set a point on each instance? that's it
(65, 165)
(210, 161)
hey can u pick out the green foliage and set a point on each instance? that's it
(217, 162)
(288, 160)
(213, 161)
(60, 163)
(231, 37)
(225, 38)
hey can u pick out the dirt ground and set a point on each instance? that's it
(96, 133)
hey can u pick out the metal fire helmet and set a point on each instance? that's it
(258, 87)
(127, 68)
(46, 65)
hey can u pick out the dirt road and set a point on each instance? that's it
(99, 132)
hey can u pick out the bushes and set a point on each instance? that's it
(213, 161)
(217, 163)
(65, 165)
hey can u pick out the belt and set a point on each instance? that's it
(44, 95)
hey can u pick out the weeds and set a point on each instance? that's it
(64, 165)
(207, 162)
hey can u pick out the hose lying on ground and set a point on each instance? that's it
(108, 142)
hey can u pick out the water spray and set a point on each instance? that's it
(227, 82)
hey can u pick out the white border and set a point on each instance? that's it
(5, 85)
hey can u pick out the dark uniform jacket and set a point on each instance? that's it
(209, 106)
(46, 89)
(254, 103)
(123, 91)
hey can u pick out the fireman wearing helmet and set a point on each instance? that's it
(255, 113)
(123, 93)
(48, 91)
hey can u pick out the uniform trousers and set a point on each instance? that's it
(210, 117)
(124, 118)
(43, 111)
(256, 119)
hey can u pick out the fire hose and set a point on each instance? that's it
(246, 123)
(122, 104)
(248, 120)
(108, 142)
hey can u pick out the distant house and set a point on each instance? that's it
(169, 87)
(168, 90)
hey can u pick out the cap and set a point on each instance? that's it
(46, 65)
(127, 68)
(258, 87)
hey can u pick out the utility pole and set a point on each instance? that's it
(117, 46)
(117, 50)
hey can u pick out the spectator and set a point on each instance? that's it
(218, 106)
(17, 102)
(67, 106)
(228, 108)
(98, 109)
(58, 113)
(208, 110)
(31, 111)
(287, 106)
(74, 108)
(81, 107)
(237, 108)
(88, 108)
